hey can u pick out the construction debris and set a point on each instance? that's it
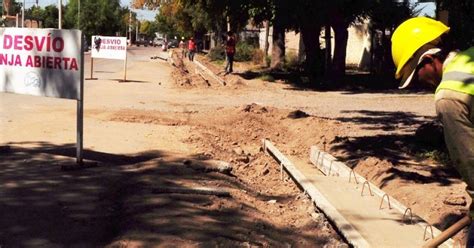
(209, 166)
(195, 191)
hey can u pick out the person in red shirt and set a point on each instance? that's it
(229, 52)
(191, 49)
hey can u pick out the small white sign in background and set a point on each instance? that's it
(109, 47)
(41, 62)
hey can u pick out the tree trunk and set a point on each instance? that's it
(267, 45)
(278, 45)
(328, 49)
(313, 62)
(340, 46)
(6, 7)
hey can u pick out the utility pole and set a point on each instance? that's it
(136, 30)
(23, 15)
(60, 14)
(78, 14)
(130, 25)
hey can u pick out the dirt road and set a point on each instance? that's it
(141, 132)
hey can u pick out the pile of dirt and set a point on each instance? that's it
(185, 74)
(147, 117)
(374, 169)
(235, 136)
(254, 108)
(297, 114)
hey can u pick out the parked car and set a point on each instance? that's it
(158, 42)
(173, 43)
(142, 42)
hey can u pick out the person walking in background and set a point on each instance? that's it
(191, 49)
(229, 52)
(422, 55)
(182, 47)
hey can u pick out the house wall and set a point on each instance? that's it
(292, 42)
(358, 44)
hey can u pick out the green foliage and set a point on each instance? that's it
(98, 17)
(244, 51)
(257, 56)
(216, 53)
(291, 61)
(267, 77)
(436, 155)
(50, 17)
(461, 21)
(148, 29)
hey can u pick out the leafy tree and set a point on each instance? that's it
(461, 21)
(98, 17)
(35, 13)
(50, 16)
(385, 16)
(148, 28)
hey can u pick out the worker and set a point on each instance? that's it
(182, 47)
(191, 49)
(422, 55)
(229, 52)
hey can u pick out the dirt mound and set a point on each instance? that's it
(253, 108)
(148, 117)
(374, 169)
(297, 114)
(185, 73)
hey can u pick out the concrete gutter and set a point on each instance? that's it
(330, 166)
(345, 228)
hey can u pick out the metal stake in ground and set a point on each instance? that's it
(92, 69)
(125, 68)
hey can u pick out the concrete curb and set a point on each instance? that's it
(346, 229)
(330, 166)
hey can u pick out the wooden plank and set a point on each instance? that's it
(199, 72)
(214, 76)
(346, 228)
(329, 165)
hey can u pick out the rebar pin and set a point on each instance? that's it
(363, 186)
(424, 234)
(355, 177)
(411, 215)
(388, 201)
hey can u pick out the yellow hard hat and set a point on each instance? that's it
(410, 36)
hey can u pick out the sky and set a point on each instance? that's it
(141, 14)
(427, 8)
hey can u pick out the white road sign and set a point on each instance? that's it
(109, 47)
(41, 62)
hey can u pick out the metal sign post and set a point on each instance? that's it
(80, 113)
(125, 68)
(92, 67)
(92, 70)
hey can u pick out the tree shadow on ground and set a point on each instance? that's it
(399, 148)
(385, 120)
(41, 205)
(353, 82)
